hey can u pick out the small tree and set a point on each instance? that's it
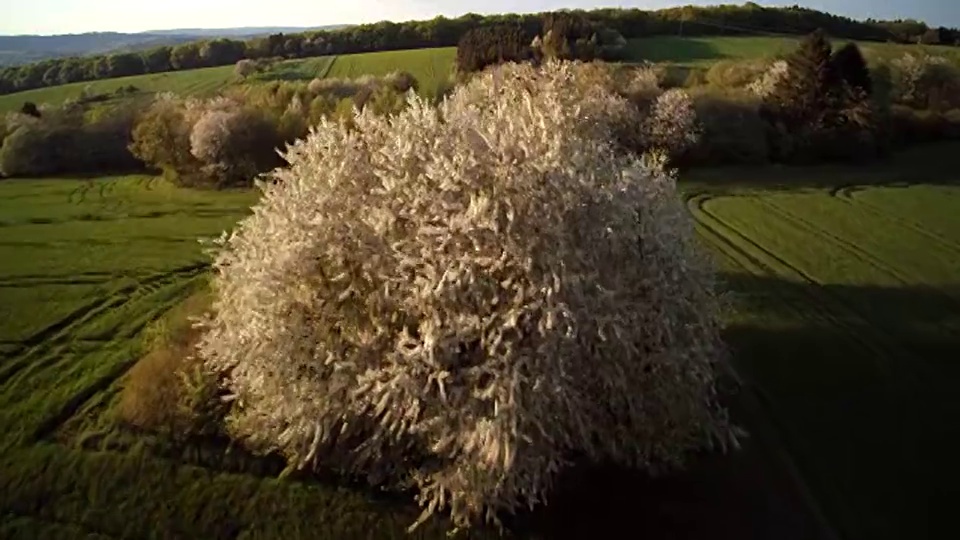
(161, 139)
(802, 98)
(29, 108)
(245, 68)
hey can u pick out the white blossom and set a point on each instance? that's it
(489, 284)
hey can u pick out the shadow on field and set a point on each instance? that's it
(853, 391)
(934, 164)
(673, 49)
(861, 384)
(857, 397)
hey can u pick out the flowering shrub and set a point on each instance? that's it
(767, 83)
(245, 68)
(234, 143)
(737, 73)
(672, 124)
(461, 299)
(926, 81)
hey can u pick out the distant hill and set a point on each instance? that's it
(247, 31)
(31, 48)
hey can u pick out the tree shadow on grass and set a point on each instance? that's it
(673, 49)
(865, 421)
(934, 164)
(867, 427)
(861, 382)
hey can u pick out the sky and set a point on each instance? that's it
(77, 16)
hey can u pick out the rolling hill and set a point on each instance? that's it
(22, 49)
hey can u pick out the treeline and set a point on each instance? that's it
(442, 32)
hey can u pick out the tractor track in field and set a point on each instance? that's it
(120, 359)
(98, 241)
(855, 251)
(80, 278)
(847, 195)
(81, 528)
(874, 340)
(53, 337)
(80, 398)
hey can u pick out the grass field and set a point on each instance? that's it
(199, 82)
(431, 67)
(844, 323)
(703, 51)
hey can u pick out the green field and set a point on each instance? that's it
(703, 51)
(844, 324)
(431, 67)
(199, 82)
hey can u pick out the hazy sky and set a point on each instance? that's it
(74, 16)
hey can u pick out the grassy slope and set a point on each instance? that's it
(847, 323)
(844, 322)
(703, 51)
(431, 67)
(205, 81)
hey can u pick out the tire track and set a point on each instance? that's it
(858, 252)
(848, 197)
(48, 339)
(127, 359)
(847, 246)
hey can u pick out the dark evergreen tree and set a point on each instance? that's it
(851, 68)
(488, 46)
(29, 108)
(804, 96)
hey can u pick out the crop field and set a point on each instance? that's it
(703, 51)
(844, 324)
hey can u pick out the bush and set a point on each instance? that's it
(215, 143)
(765, 85)
(925, 82)
(29, 108)
(168, 391)
(736, 73)
(338, 88)
(35, 150)
(463, 299)
(695, 77)
(733, 130)
(235, 144)
(913, 126)
(161, 139)
(671, 126)
(401, 81)
(245, 68)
